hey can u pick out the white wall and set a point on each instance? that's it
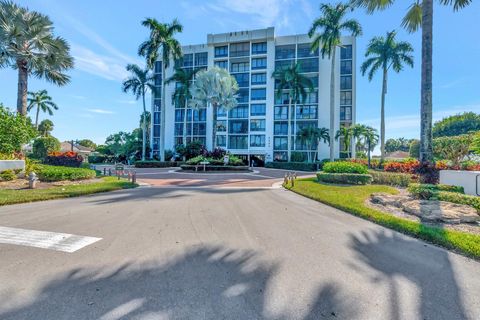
(466, 179)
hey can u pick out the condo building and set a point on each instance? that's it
(258, 127)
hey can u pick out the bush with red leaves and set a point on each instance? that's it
(67, 159)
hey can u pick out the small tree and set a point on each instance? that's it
(346, 134)
(368, 136)
(414, 150)
(44, 145)
(45, 127)
(457, 124)
(312, 136)
(453, 149)
(15, 131)
(87, 143)
(41, 101)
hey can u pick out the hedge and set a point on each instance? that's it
(97, 159)
(296, 166)
(344, 178)
(425, 191)
(441, 192)
(213, 168)
(7, 175)
(67, 159)
(56, 173)
(157, 164)
(345, 167)
(391, 178)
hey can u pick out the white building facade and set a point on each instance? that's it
(258, 127)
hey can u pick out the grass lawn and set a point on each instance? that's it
(27, 195)
(352, 199)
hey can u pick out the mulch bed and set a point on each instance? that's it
(19, 184)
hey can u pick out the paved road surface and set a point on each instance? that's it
(224, 253)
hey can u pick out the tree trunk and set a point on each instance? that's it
(332, 107)
(426, 152)
(162, 115)
(382, 115)
(214, 128)
(144, 128)
(22, 87)
(289, 141)
(36, 117)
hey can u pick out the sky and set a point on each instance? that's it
(104, 37)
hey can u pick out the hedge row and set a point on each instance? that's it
(444, 193)
(391, 178)
(344, 178)
(56, 173)
(296, 166)
(344, 167)
(157, 164)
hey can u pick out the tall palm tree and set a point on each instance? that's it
(332, 23)
(297, 86)
(420, 15)
(385, 53)
(181, 95)
(312, 136)
(45, 127)
(27, 43)
(161, 39)
(139, 82)
(214, 88)
(346, 133)
(146, 121)
(40, 100)
(369, 136)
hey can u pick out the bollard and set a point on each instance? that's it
(32, 180)
(104, 171)
(285, 179)
(110, 172)
(134, 177)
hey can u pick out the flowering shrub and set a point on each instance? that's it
(407, 166)
(68, 159)
(217, 153)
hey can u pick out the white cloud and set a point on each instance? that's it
(127, 101)
(107, 67)
(100, 111)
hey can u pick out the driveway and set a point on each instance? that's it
(211, 252)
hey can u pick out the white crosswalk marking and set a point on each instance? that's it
(44, 239)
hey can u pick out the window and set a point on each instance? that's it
(306, 112)
(283, 99)
(259, 63)
(178, 141)
(345, 97)
(314, 79)
(239, 112)
(257, 109)
(259, 48)
(201, 59)
(158, 79)
(257, 125)
(312, 97)
(308, 65)
(285, 52)
(238, 126)
(280, 128)
(156, 118)
(222, 64)
(304, 51)
(283, 64)
(346, 67)
(178, 129)
(239, 67)
(199, 129)
(200, 115)
(156, 131)
(157, 105)
(221, 112)
(238, 142)
(239, 49)
(221, 51)
(259, 78)
(222, 141)
(221, 125)
(187, 60)
(281, 113)
(346, 113)
(259, 94)
(280, 156)
(280, 143)
(345, 82)
(242, 79)
(257, 140)
(179, 115)
(156, 144)
(346, 52)
(158, 66)
(242, 95)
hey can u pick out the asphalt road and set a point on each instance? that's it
(224, 253)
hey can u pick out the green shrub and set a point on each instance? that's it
(295, 166)
(344, 178)
(391, 178)
(196, 160)
(157, 164)
(345, 167)
(8, 175)
(234, 160)
(458, 198)
(57, 173)
(97, 159)
(298, 156)
(44, 145)
(427, 191)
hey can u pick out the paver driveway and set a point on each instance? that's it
(225, 253)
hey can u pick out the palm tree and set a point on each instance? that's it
(27, 43)
(420, 15)
(146, 121)
(385, 53)
(290, 79)
(41, 100)
(161, 39)
(332, 23)
(369, 136)
(181, 95)
(312, 136)
(139, 82)
(45, 127)
(214, 87)
(346, 133)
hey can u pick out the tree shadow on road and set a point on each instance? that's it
(205, 283)
(395, 256)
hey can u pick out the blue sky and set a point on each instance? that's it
(104, 36)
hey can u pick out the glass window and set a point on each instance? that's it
(222, 140)
(259, 63)
(280, 112)
(201, 59)
(156, 118)
(280, 128)
(156, 105)
(221, 51)
(187, 60)
(239, 49)
(314, 79)
(345, 97)
(308, 65)
(199, 129)
(285, 52)
(156, 131)
(259, 48)
(242, 95)
(283, 64)
(257, 125)
(259, 78)
(178, 141)
(346, 52)
(200, 115)
(345, 82)
(345, 113)
(239, 67)
(346, 67)
(257, 109)
(280, 143)
(283, 99)
(156, 143)
(178, 129)
(221, 125)
(257, 140)
(242, 79)
(239, 112)
(259, 94)
(221, 112)
(312, 97)
(306, 112)
(304, 51)
(238, 142)
(179, 115)
(158, 66)
(238, 126)
(280, 156)
(158, 79)
(222, 64)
